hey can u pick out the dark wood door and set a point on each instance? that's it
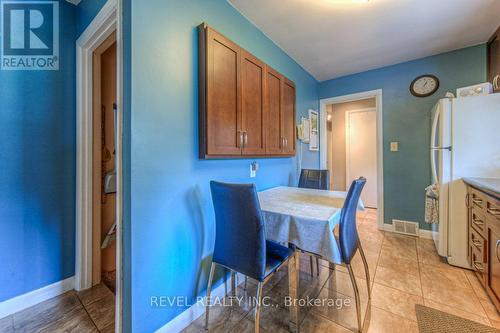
(223, 95)
(494, 60)
(274, 100)
(494, 263)
(253, 124)
(288, 117)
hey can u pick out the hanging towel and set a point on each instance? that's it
(432, 204)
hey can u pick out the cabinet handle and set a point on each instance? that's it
(477, 201)
(477, 222)
(496, 249)
(240, 141)
(282, 142)
(286, 142)
(493, 211)
(245, 142)
(467, 200)
(477, 243)
(478, 266)
(495, 82)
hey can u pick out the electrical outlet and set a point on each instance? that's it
(394, 146)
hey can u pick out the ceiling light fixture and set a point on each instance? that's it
(349, 1)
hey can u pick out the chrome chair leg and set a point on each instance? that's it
(311, 264)
(233, 283)
(317, 266)
(257, 307)
(367, 271)
(356, 296)
(209, 289)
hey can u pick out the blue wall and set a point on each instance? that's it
(172, 231)
(87, 10)
(37, 171)
(407, 120)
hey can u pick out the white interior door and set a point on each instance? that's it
(361, 152)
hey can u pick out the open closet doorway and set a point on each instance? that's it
(104, 171)
(351, 146)
(98, 271)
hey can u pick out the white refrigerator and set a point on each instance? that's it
(465, 142)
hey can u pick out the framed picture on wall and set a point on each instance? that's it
(305, 130)
(313, 130)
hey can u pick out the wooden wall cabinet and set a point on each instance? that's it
(494, 60)
(484, 240)
(246, 109)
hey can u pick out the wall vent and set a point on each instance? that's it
(405, 227)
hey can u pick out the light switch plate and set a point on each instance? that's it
(253, 172)
(394, 146)
(254, 166)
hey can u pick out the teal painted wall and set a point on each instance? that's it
(407, 120)
(172, 222)
(87, 10)
(37, 170)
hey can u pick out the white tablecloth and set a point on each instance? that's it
(304, 217)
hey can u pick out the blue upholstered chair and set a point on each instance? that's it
(348, 240)
(240, 239)
(315, 179)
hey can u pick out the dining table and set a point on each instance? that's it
(304, 219)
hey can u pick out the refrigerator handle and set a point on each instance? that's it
(433, 139)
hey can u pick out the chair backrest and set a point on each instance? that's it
(317, 179)
(240, 240)
(348, 234)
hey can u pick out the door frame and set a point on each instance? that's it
(348, 141)
(377, 94)
(107, 21)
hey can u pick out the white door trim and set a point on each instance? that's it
(348, 142)
(108, 20)
(377, 94)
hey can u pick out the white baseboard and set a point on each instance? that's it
(34, 297)
(194, 312)
(426, 233)
(388, 227)
(422, 233)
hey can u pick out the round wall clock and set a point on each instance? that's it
(424, 85)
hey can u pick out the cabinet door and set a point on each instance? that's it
(494, 263)
(253, 123)
(288, 117)
(274, 137)
(494, 60)
(223, 96)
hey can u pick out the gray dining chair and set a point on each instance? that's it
(349, 242)
(240, 240)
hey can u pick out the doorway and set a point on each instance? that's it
(351, 145)
(361, 151)
(99, 58)
(104, 164)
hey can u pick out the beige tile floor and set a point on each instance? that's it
(404, 271)
(92, 310)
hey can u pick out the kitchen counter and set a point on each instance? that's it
(489, 185)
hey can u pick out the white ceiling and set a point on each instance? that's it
(331, 39)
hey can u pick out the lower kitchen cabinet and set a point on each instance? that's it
(484, 238)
